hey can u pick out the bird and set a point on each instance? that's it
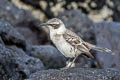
(67, 42)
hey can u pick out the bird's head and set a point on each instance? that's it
(55, 24)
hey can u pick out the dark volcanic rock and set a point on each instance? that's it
(116, 10)
(10, 36)
(23, 19)
(29, 35)
(108, 35)
(76, 74)
(26, 63)
(16, 65)
(49, 55)
(13, 14)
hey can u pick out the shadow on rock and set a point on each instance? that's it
(49, 55)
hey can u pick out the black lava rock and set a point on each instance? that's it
(10, 36)
(49, 55)
(15, 64)
(108, 35)
(76, 74)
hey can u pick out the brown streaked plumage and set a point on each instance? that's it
(77, 42)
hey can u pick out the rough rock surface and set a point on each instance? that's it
(108, 35)
(76, 74)
(23, 19)
(16, 16)
(10, 36)
(49, 55)
(16, 64)
(14, 61)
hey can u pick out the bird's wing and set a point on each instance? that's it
(74, 40)
(77, 42)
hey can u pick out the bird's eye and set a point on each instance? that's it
(55, 26)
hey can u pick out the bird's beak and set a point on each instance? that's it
(43, 24)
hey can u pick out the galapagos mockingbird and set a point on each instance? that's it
(68, 42)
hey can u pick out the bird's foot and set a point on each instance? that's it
(69, 65)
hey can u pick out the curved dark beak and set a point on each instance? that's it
(43, 24)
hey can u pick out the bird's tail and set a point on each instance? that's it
(91, 46)
(101, 49)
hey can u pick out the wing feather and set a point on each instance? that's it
(77, 42)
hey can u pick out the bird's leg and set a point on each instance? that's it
(2, 41)
(70, 64)
(67, 64)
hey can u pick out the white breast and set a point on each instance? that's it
(65, 48)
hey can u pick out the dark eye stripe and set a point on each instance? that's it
(55, 26)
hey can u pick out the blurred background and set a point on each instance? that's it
(96, 10)
(95, 21)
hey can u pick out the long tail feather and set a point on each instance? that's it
(91, 46)
(101, 49)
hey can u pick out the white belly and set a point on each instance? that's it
(65, 48)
